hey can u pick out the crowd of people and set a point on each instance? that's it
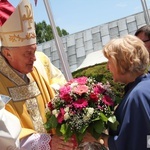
(28, 81)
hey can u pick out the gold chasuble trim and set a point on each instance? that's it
(24, 92)
(33, 110)
(27, 93)
(7, 71)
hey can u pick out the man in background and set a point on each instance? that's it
(143, 33)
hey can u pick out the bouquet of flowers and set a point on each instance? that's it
(81, 105)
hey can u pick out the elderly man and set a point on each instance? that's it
(28, 89)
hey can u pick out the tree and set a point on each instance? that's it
(44, 32)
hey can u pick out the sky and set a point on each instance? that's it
(77, 15)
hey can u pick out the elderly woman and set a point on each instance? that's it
(128, 60)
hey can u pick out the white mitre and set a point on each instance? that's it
(19, 28)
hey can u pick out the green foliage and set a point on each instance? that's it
(96, 128)
(51, 122)
(113, 125)
(64, 32)
(101, 74)
(44, 32)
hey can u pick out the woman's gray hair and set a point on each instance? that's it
(128, 53)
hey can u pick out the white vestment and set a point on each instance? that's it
(9, 127)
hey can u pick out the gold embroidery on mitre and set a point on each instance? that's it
(24, 92)
(13, 38)
(28, 16)
(35, 115)
(25, 17)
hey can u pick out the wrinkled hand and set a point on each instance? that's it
(58, 143)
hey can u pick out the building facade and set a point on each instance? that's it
(78, 45)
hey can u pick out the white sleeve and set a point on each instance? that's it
(52, 74)
(57, 75)
(9, 130)
(10, 127)
(36, 141)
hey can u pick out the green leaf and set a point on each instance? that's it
(83, 129)
(47, 126)
(114, 125)
(63, 129)
(51, 123)
(96, 128)
(112, 119)
(48, 115)
(94, 133)
(66, 131)
(103, 117)
(99, 126)
(79, 137)
(58, 130)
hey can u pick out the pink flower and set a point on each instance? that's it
(80, 89)
(71, 81)
(80, 103)
(60, 117)
(94, 97)
(64, 90)
(82, 80)
(107, 100)
(98, 89)
(65, 93)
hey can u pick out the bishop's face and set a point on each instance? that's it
(21, 58)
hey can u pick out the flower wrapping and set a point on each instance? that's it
(81, 105)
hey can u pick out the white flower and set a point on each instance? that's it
(73, 84)
(90, 111)
(85, 118)
(66, 116)
(66, 109)
(46, 109)
(55, 112)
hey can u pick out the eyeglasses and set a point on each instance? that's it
(146, 40)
